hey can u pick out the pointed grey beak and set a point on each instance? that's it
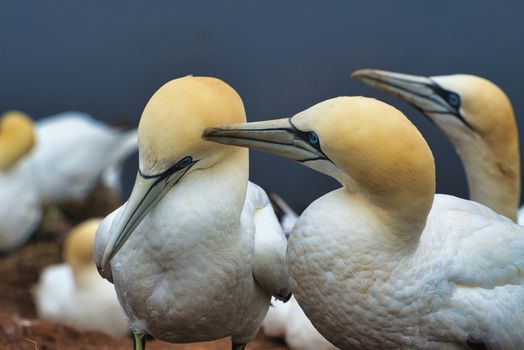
(422, 93)
(146, 193)
(277, 136)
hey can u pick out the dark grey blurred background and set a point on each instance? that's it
(107, 59)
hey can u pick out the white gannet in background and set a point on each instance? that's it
(288, 217)
(383, 262)
(73, 293)
(477, 117)
(287, 320)
(20, 210)
(197, 251)
(74, 151)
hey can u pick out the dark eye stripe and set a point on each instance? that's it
(305, 136)
(181, 164)
(185, 161)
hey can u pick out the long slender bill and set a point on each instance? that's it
(277, 136)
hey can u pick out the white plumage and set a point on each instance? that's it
(300, 332)
(74, 151)
(196, 252)
(20, 208)
(275, 322)
(73, 293)
(287, 320)
(167, 280)
(462, 281)
(383, 262)
(90, 307)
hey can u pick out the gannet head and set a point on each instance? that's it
(79, 245)
(367, 145)
(170, 145)
(463, 106)
(477, 117)
(17, 138)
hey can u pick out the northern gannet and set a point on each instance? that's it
(197, 251)
(288, 320)
(477, 117)
(56, 159)
(20, 210)
(74, 151)
(73, 293)
(383, 262)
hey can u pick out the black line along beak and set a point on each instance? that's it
(147, 192)
(422, 93)
(278, 136)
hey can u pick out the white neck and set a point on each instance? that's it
(226, 181)
(404, 220)
(492, 180)
(211, 194)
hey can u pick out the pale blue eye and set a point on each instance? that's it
(185, 162)
(313, 138)
(453, 99)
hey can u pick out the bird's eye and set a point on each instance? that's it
(313, 138)
(184, 162)
(454, 99)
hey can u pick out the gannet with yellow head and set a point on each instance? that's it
(383, 262)
(73, 293)
(477, 116)
(197, 251)
(19, 198)
(17, 138)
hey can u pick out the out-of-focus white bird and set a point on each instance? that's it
(73, 293)
(300, 332)
(20, 210)
(477, 117)
(383, 262)
(287, 320)
(197, 251)
(287, 216)
(74, 151)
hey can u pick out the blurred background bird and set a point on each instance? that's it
(20, 206)
(74, 151)
(58, 160)
(73, 292)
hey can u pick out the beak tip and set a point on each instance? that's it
(356, 73)
(362, 73)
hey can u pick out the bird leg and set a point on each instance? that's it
(139, 340)
(238, 346)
